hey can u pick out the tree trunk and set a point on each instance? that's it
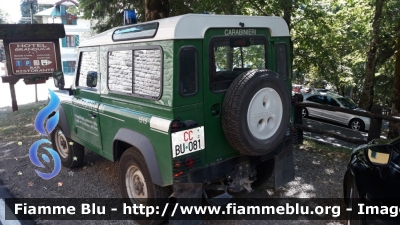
(229, 59)
(366, 100)
(287, 16)
(156, 9)
(394, 127)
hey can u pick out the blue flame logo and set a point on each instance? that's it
(51, 123)
(45, 112)
(34, 159)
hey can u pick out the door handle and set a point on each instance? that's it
(92, 115)
(215, 109)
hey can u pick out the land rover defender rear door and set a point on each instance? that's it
(227, 54)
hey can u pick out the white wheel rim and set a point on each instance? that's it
(264, 114)
(136, 184)
(303, 112)
(355, 125)
(62, 144)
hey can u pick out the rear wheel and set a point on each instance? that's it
(70, 152)
(357, 124)
(136, 184)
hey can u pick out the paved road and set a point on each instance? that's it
(339, 129)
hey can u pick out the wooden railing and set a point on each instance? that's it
(375, 128)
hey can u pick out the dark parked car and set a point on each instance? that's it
(372, 183)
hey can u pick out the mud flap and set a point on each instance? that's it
(187, 194)
(284, 167)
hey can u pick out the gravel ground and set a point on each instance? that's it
(319, 174)
(316, 176)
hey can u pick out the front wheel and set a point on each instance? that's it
(71, 153)
(357, 124)
(136, 184)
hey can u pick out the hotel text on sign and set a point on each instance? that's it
(32, 57)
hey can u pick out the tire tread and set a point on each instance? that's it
(232, 106)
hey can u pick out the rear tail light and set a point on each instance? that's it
(183, 166)
(177, 164)
(176, 125)
(178, 174)
(189, 162)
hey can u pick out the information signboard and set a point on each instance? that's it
(32, 57)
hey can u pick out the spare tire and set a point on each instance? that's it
(256, 112)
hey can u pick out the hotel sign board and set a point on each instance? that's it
(32, 57)
(32, 53)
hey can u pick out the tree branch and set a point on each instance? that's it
(258, 7)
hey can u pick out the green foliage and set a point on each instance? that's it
(25, 8)
(253, 57)
(73, 10)
(330, 37)
(4, 17)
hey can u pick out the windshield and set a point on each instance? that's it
(233, 56)
(347, 102)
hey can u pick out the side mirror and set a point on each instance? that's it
(91, 79)
(58, 78)
(379, 155)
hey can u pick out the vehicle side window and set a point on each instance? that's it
(88, 62)
(316, 99)
(332, 102)
(120, 69)
(135, 72)
(281, 60)
(188, 75)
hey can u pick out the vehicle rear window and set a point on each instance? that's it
(188, 77)
(231, 56)
(281, 60)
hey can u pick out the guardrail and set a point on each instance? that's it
(375, 128)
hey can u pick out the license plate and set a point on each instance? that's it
(187, 141)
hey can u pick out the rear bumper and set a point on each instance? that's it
(223, 169)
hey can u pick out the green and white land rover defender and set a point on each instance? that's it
(192, 101)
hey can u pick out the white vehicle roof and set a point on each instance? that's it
(194, 26)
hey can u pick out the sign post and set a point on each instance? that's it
(32, 53)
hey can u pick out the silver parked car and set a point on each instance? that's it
(355, 122)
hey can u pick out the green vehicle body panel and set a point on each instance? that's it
(109, 112)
